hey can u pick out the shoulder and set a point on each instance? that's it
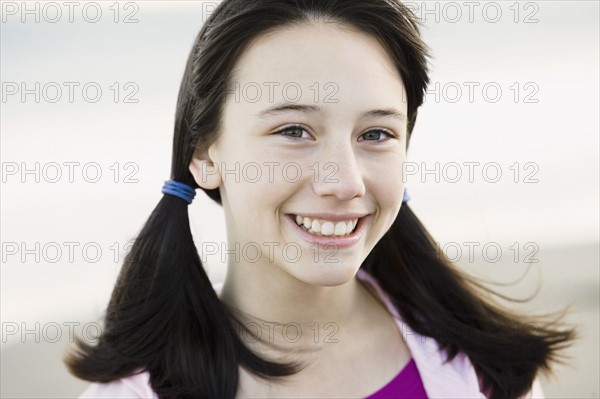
(134, 386)
(441, 378)
(536, 391)
(218, 287)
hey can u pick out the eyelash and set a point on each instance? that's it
(386, 132)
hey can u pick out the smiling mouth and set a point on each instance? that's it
(326, 228)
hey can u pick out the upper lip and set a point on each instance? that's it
(334, 217)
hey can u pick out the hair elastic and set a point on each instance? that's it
(405, 197)
(178, 189)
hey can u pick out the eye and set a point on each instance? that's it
(377, 133)
(293, 132)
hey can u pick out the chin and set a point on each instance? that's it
(326, 275)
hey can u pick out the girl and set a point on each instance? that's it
(334, 288)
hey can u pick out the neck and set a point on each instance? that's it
(291, 312)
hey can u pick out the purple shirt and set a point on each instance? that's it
(407, 384)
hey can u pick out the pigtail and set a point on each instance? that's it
(164, 317)
(438, 300)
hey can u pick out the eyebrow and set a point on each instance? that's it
(287, 107)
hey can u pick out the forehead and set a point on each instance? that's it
(311, 55)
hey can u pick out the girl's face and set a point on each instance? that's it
(315, 126)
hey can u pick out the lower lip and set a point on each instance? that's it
(332, 242)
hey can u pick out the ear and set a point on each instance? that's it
(206, 173)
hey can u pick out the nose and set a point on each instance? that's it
(338, 173)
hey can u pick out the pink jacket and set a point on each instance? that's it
(455, 379)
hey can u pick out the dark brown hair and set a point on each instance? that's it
(164, 316)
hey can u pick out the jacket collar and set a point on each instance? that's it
(441, 379)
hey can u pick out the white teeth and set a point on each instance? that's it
(326, 228)
(316, 226)
(340, 228)
(307, 222)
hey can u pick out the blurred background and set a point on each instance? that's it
(504, 163)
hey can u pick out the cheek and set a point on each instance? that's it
(248, 213)
(386, 177)
(389, 195)
(254, 198)
(394, 183)
(386, 186)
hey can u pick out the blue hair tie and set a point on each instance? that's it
(405, 197)
(180, 190)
